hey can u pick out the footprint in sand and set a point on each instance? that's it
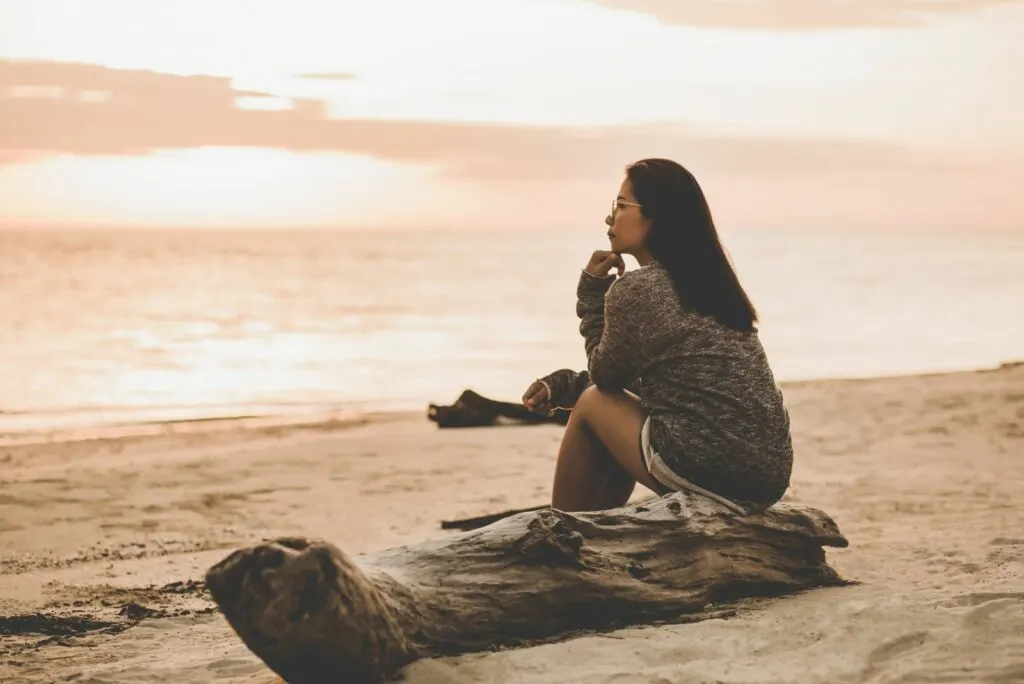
(1007, 550)
(892, 649)
(236, 667)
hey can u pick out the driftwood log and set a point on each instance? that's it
(315, 616)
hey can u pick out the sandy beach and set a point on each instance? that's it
(103, 542)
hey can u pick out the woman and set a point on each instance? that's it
(678, 393)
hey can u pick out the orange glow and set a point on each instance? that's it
(742, 95)
(217, 187)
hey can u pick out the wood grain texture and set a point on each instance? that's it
(314, 615)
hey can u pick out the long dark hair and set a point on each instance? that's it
(684, 241)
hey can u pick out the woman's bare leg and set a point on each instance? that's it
(587, 477)
(599, 460)
(618, 485)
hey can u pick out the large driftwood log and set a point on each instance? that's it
(316, 616)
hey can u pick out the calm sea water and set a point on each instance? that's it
(128, 326)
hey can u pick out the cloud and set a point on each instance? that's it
(137, 84)
(9, 157)
(798, 14)
(145, 111)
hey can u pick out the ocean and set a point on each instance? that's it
(107, 328)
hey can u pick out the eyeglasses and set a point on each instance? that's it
(618, 204)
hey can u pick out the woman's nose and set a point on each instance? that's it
(608, 221)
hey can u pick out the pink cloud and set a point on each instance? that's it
(143, 111)
(798, 14)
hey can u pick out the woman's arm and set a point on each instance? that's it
(565, 386)
(611, 325)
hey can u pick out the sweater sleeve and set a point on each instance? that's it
(565, 387)
(611, 327)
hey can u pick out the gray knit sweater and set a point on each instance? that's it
(717, 415)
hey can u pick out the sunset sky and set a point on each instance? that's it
(508, 113)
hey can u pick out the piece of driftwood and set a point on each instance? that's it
(475, 410)
(315, 615)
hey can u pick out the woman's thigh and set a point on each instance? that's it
(616, 419)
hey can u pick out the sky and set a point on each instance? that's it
(508, 113)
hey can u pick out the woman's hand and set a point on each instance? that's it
(602, 262)
(537, 399)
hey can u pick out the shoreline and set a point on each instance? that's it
(251, 423)
(243, 426)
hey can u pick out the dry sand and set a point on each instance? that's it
(102, 542)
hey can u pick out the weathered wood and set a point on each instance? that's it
(316, 616)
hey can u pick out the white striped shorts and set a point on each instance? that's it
(672, 481)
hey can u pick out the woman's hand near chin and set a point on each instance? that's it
(603, 261)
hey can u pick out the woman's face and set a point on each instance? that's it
(627, 226)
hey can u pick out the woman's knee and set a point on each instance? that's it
(593, 396)
(587, 397)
